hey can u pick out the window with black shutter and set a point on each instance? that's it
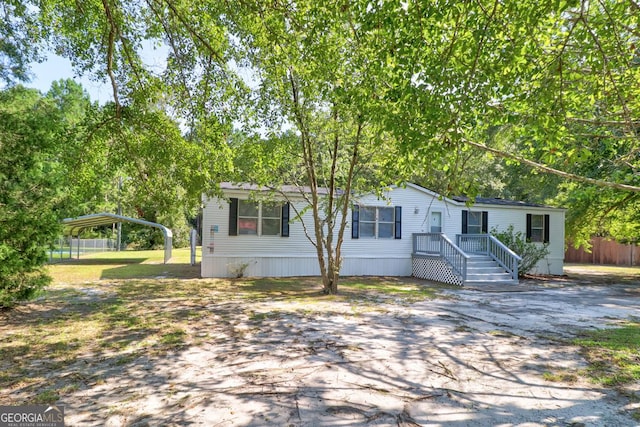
(475, 222)
(248, 217)
(538, 228)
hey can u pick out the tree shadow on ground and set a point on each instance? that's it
(137, 271)
(135, 268)
(210, 352)
(106, 261)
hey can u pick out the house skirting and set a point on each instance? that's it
(554, 266)
(434, 267)
(291, 266)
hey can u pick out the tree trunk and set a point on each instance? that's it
(330, 281)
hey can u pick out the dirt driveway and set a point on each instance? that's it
(472, 357)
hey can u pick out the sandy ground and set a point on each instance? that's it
(476, 358)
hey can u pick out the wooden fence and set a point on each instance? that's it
(604, 251)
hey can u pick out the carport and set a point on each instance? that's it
(73, 227)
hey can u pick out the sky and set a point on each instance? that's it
(56, 68)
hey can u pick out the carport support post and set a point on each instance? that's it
(168, 244)
(119, 239)
(193, 239)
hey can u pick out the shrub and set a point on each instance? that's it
(530, 252)
(21, 286)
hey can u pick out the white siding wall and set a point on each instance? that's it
(264, 255)
(390, 257)
(295, 255)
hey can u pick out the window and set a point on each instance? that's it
(538, 228)
(247, 217)
(376, 222)
(475, 222)
(270, 219)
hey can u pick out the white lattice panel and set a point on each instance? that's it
(434, 268)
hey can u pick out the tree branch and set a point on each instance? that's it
(194, 33)
(615, 206)
(607, 69)
(548, 169)
(110, 52)
(596, 122)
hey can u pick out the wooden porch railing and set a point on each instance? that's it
(486, 244)
(439, 244)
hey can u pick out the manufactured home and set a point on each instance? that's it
(407, 231)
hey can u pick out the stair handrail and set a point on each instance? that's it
(473, 243)
(504, 256)
(456, 257)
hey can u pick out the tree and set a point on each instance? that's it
(135, 136)
(312, 74)
(446, 79)
(47, 169)
(540, 72)
(85, 179)
(17, 30)
(536, 71)
(164, 132)
(551, 88)
(31, 188)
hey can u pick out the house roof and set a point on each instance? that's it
(282, 189)
(498, 201)
(453, 199)
(483, 200)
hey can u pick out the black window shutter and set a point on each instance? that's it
(398, 219)
(355, 221)
(485, 221)
(233, 217)
(284, 230)
(546, 229)
(528, 226)
(465, 222)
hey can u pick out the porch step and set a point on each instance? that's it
(483, 269)
(497, 277)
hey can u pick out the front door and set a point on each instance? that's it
(435, 222)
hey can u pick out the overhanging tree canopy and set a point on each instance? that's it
(552, 84)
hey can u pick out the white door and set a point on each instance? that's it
(435, 222)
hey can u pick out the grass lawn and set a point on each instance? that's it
(613, 354)
(603, 274)
(124, 265)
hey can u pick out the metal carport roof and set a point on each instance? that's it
(73, 226)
